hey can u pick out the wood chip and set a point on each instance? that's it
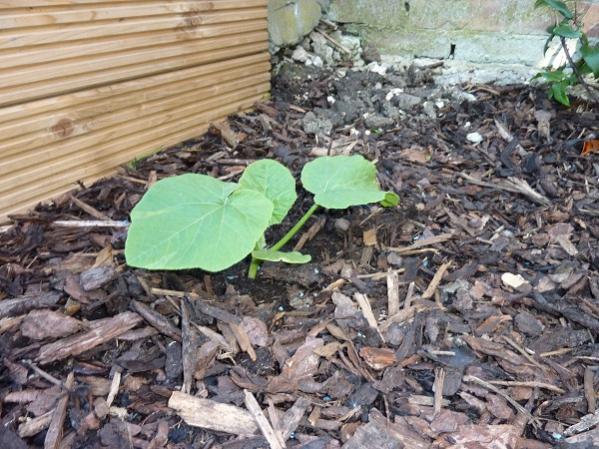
(114, 388)
(369, 237)
(19, 306)
(378, 358)
(438, 389)
(364, 304)
(437, 278)
(213, 415)
(42, 324)
(243, 340)
(189, 348)
(88, 209)
(292, 417)
(54, 434)
(35, 425)
(155, 319)
(589, 389)
(274, 440)
(102, 333)
(422, 243)
(392, 292)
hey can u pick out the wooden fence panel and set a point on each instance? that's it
(88, 85)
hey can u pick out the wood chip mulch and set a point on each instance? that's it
(465, 318)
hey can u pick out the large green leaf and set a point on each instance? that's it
(590, 55)
(195, 221)
(294, 257)
(275, 181)
(558, 6)
(338, 182)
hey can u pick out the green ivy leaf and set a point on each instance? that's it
(590, 54)
(560, 94)
(339, 182)
(556, 5)
(566, 30)
(195, 221)
(294, 257)
(275, 182)
(391, 199)
(555, 76)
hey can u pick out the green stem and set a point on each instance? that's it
(255, 263)
(294, 230)
(253, 270)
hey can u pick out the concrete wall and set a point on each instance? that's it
(505, 31)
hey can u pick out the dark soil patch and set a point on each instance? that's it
(483, 285)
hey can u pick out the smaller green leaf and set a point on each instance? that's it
(293, 257)
(590, 54)
(560, 94)
(275, 182)
(566, 30)
(391, 199)
(339, 182)
(556, 5)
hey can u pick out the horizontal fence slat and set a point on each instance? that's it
(180, 23)
(56, 14)
(28, 56)
(14, 4)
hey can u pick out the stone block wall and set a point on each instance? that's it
(503, 31)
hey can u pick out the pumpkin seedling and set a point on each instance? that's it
(196, 221)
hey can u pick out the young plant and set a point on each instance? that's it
(196, 221)
(571, 72)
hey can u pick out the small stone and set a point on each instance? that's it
(352, 43)
(342, 224)
(375, 67)
(313, 124)
(371, 54)
(395, 259)
(408, 101)
(429, 109)
(515, 281)
(300, 54)
(101, 408)
(474, 137)
(322, 48)
(375, 121)
(393, 93)
(528, 324)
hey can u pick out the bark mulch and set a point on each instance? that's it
(464, 318)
